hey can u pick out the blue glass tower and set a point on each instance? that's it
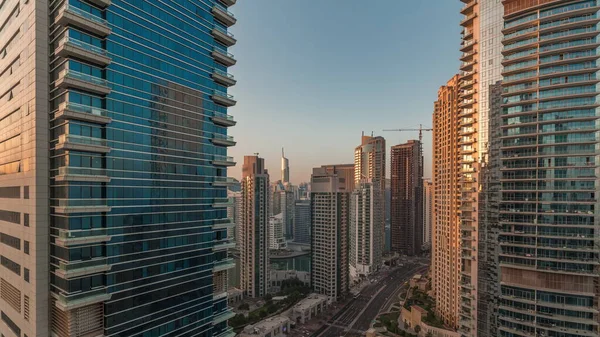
(138, 167)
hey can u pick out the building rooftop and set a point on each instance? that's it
(264, 326)
(418, 308)
(233, 291)
(310, 301)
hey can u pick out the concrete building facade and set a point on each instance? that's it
(427, 212)
(481, 65)
(330, 208)
(276, 238)
(253, 242)
(113, 167)
(406, 223)
(446, 245)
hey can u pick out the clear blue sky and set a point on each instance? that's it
(313, 74)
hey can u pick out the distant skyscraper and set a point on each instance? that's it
(113, 167)
(253, 241)
(302, 221)
(233, 212)
(406, 223)
(283, 203)
(369, 166)
(285, 169)
(446, 249)
(427, 211)
(330, 198)
(276, 238)
(550, 178)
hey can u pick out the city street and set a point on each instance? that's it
(355, 318)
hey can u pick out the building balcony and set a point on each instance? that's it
(467, 55)
(74, 269)
(67, 173)
(86, 113)
(224, 246)
(224, 57)
(78, 237)
(69, 47)
(467, 46)
(223, 265)
(68, 206)
(223, 98)
(223, 161)
(101, 3)
(224, 181)
(223, 316)
(222, 119)
(468, 6)
(222, 140)
(467, 65)
(222, 203)
(72, 79)
(73, 16)
(223, 77)
(468, 20)
(228, 3)
(78, 300)
(223, 15)
(225, 223)
(82, 143)
(223, 36)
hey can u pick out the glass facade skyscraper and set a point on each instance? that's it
(549, 183)
(123, 128)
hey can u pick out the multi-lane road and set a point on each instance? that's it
(355, 318)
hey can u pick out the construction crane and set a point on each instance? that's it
(420, 129)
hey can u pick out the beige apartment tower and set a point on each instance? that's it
(369, 182)
(330, 207)
(446, 245)
(253, 229)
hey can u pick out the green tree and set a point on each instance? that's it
(237, 320)
(244, 306)
(263, 313)
(429, 334)
(417, 328)
(268, 297)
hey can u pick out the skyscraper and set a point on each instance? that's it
(481, 64)
(369, 168)
(302, 220)
(406, 223)
(447, 179)
(427, 211)
(113, 156)
(285, 169)
(253, 241)
(276, 238)
(329, 203)
(549, 249)
(365, 250)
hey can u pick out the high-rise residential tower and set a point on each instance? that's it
(329, 203)
(276, 238)
(113, 167)
(406, 223)
(446, 245)
(302, 215)
(369, 168)
(285, 169)
(427, 211)
(550, 228)
(253, 229)
(481, 64)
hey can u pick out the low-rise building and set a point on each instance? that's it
(277, 326)
(234, 295)
(309, 307)
(414, 317)
(278, 276)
